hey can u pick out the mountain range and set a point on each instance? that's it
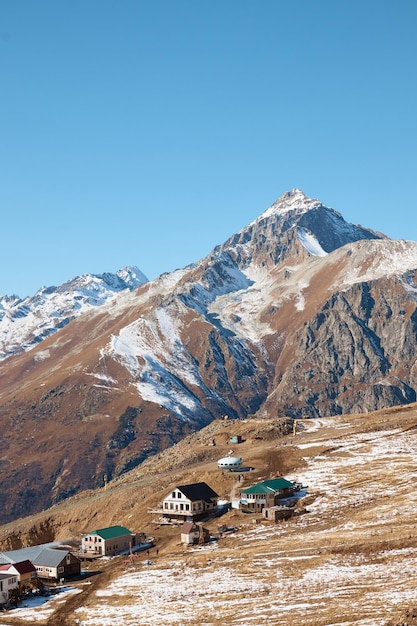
(299, 314)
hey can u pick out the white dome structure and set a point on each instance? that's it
(229, 462)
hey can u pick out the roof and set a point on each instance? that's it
(17, 556)
(23, 567)
(269, 486)
(111, 532)
(188, 527)
(50, 558)
(198, 491)
(38, 555)
(232, 460)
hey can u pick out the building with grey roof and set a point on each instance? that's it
(50, 563)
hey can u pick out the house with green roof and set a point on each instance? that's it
(110, 541)
(265, 494)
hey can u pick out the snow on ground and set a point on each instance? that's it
(39, 608)
(303, 571)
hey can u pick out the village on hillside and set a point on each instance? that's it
(186, 509)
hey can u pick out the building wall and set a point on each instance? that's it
(117, 544)
(69, 566)
(6, 585)
(92, 543)
(45, 571)
(190, 538)
(105, 547)
(256, 502)
(173, 504)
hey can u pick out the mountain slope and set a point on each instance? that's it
(298, 314)
(25, 323)
(348, 555)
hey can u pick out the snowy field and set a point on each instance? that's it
(334, 565)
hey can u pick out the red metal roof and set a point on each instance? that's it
(23, 567)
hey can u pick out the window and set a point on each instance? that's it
(179, 494)
(173, 494)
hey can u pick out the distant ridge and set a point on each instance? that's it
(25, 323)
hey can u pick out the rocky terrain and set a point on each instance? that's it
(26, 322)
(299, 314)
(348, 556)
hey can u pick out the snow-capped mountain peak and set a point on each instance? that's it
(294, 200)
(131, 276)
(24, 323)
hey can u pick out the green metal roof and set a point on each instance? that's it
(269, 486)
(111, 533)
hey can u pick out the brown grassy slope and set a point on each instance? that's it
(126, 500)
(348, 560)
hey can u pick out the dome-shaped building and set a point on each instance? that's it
(229, 462)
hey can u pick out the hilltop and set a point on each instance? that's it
(347, 557)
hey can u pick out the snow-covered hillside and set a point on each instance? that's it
(25, 323)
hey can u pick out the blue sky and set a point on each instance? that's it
(145, 133)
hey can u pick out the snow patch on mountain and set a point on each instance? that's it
(240, 310)
(310, 242)
(162, 370)
(377, 258)
(409, 286)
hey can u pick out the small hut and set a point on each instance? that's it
(278, 513)
(192, 533)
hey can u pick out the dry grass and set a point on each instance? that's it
(350, 559)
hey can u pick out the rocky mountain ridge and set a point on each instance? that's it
(26, 322)
(299, 314)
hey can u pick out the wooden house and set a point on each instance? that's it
(192, 533)
(110, 541)
(24, 570)
(190, 502)
(265, 494)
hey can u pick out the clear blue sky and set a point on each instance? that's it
(146, 132)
